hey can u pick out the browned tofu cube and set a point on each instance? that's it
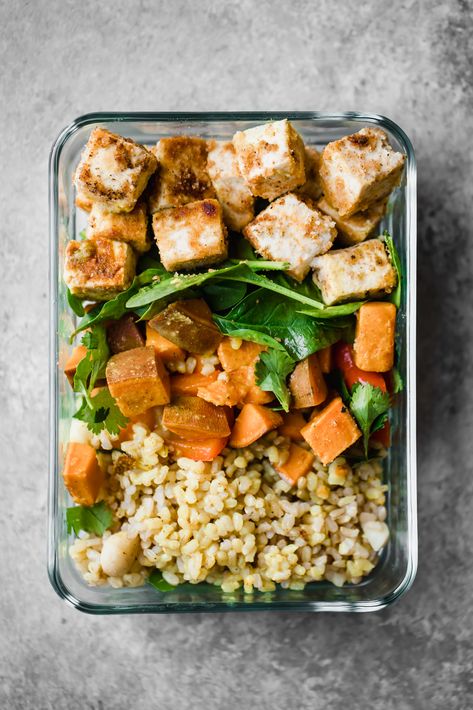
(191, 236)
(291, 230)
(331, 431)
(271, 158)
(113, 170)
(232, 191)
(83, 203)
(182, 175)
(355, 229)
(99, 269)
(130, 227)
(360, 169)
(138, 380)
(312, 188)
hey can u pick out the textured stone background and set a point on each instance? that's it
(409, 60)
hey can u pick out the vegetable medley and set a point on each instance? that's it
(226, 292)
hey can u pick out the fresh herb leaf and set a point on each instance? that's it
(397, 381)
(101, 412)
(156, 580)
(271, 372)
(229, 328)
(95, 519)
(221, 295)
(340, 385)
(82, 234)
(395, 296)
(343, 309)
(367, 404)
(75, 303)
(116, 307)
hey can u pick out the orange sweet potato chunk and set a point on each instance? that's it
(189, 325)
(232, 358)
(292, 425)
(298, 464)
(374, 339)
(307, 384)
(331, 431)
(189, 384)
(325, 359)
(138, 380)
(167, 351)
(147, 419)
(252, 423)
(83, 476)
(74, 359)
(193, 418)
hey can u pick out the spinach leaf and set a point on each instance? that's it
(332, 311)
(221, 295)
(395, 296)
(271, 372)
(75, 303)
(156, 580)
(233, 331)
(95, 518)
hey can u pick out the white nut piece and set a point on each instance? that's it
(376, 532)
(118, 554)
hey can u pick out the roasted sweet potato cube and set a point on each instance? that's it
(137, 379)
(193, 418)
(374, 341)
(325, 359)
(189, 325)
(124, 334)
(298, 464)
(292, 425)
(307, 384)
(231, 357)
(83, 476)
(189, 384)
(168, 352)
(74, 359)
(253, 422)
(331, 431)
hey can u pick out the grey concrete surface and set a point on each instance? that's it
(409, 60)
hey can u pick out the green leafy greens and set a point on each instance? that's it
(158, 582)
(99, 411)
(271, 372)
(395, 296)
(95, 519)
(370, 406)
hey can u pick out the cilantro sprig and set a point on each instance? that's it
(95, 519)
(370, 406)
(271, 371)
(99, 411)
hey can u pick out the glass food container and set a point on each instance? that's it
(395, 572)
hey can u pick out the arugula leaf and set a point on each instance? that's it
(271, 371)
(395, 296)
(369, 405)
(116, 307)
(75, 303)
(95, 519)
(221, 295)
(101, 412)
(156, 580)
(397, 381)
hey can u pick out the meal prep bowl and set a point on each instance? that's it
(396, 569)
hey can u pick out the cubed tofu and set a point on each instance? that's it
(331, 431)
(99, 269)
(374, 339)
(354, 273)
(291, 230)
(138, 380)
(312, 188)
(359, 169)
(182, 175)
(232, 191)
(191, 236)
(271, 158)
(113, 170)
(83, 203)
(130, 227)
(355, 229)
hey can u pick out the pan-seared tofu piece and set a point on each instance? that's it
(130, 227)
(271, 158)
(83, 203)
(291, 230)
(182, 175)
(99, 269)
(113, 170)
(232, 191)
(355, 229)
(191, 236)
(354, 273)
(312, 188)
(360, 169)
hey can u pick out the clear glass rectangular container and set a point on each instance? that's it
(396, 570)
